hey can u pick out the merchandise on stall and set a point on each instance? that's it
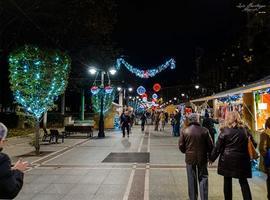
(262, 101)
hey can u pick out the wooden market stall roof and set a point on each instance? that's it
(258, 85)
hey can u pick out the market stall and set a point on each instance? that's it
(262, 105)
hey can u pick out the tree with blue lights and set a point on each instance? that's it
(37, 78)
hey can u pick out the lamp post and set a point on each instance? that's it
(101, 133)
(122, 95)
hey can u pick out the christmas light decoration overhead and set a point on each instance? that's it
(108, 95)
(37, 77)
(145, 73)
(154, 96)
(231, 98)
(156, 87)
(141, 90)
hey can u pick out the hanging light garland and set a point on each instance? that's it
(38, 77)
(231, 98)
(145, 73)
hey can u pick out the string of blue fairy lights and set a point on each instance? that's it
(146, 73)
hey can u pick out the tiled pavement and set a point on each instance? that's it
(78, 173)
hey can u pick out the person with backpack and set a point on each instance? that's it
(264, 148)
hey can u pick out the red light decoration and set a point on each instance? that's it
(108, 89)
(94, 90)
(156, 87)
(144, 95)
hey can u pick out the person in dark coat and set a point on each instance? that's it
(234, 159)
(195, 141)
(177, 119)
(11, 178)
(208, 123)
(263, 148)
(143, 120)
(125, 121)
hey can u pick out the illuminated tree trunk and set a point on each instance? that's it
(45, 119)
(37, 135)
(63, 104)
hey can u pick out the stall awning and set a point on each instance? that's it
(258, 85)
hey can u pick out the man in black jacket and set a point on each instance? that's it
(11, 178)
(195, 141)
(125, 121)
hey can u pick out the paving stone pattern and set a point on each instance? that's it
(79, 173)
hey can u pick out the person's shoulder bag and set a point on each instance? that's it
(253, 154)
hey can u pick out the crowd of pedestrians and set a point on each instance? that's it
(196, 141)
(232, 149)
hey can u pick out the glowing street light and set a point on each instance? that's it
(112, 71)
(92, 71)
(119, 89)
(130, 89)
(197, 87)
(182, 94)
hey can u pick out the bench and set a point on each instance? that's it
(55, 134)
(70, 129)
(46, 136)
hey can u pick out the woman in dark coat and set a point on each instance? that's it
(234, 160)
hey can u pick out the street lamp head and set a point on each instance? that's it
(129, 97)
(175, 98)
(130, 89)
(92, 71)
(119, 89)
(182, 94)
(112, 71)
(197, 87)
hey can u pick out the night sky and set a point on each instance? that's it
(149, 32)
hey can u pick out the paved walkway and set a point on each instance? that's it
(76, 171)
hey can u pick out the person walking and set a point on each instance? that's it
(208, 123)
(234, 159)
(264, 149)
(156, 120)
(172, 120)
(11, 178)
(125, 123)
(195, 141)
(143, 121)
(162, 121)
(177, 120)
